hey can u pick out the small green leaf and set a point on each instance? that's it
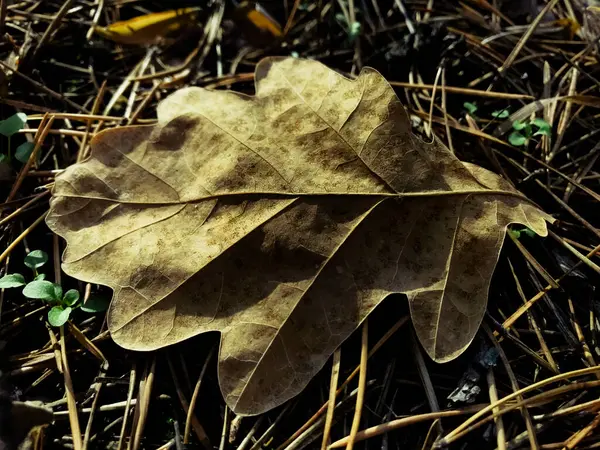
(42, 290)
(354, 31)
(71, 297)
(502, 114)
(95, 304)
(544, 128)
(514, 233)
(58, 315)
(2, 157)
(13, 124)
(58, 292)
(23, 151)
(11, 281)
(519, 125)
(527, 232)
(41, 276)
(470, 107)
(517, 139)
(36, 259)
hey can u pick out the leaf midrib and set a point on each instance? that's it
(285, 195)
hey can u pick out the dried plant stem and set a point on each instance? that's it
(290, 21)
(128, 404)
(335, 372)
(39, 139)
(323, 408)
(530, 29)
(451, 437)
(95, 107)
(70, 393)
(19, 210)
(51, 28)
(405, 421)
(22, 236)
(577, 437)
(194, 399)
(362, 382)
(43, 88)
(463, 91)
(493, 393)
(198, 428)
(143, 405)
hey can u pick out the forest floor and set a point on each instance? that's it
(510, 85)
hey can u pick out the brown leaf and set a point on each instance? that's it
(281, 220)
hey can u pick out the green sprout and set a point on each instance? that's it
(501, 114)
(52, 293)
(518, 232)
(471, 108)
(9, 127)
(353, 29)
(524, 131)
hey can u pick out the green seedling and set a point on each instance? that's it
(352, 29)
(9, 127)
(52, 293)
(13, 124)
(35, 260)
(24, 151)
(524, 131)
(62, 305)
(471, 108)
(501, 114)
(519, 232)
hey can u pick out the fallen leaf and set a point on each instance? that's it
(282, 220)
(145, 29)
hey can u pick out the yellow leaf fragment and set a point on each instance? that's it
(257, 25)
(147, 28)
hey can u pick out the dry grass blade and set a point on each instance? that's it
(403, 422)
(349, 379)
(190, 412)
(450, 437)
(493, 393)
(362, 381)
(335, 372)
(70, 394)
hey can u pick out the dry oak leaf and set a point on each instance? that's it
(281, 220)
